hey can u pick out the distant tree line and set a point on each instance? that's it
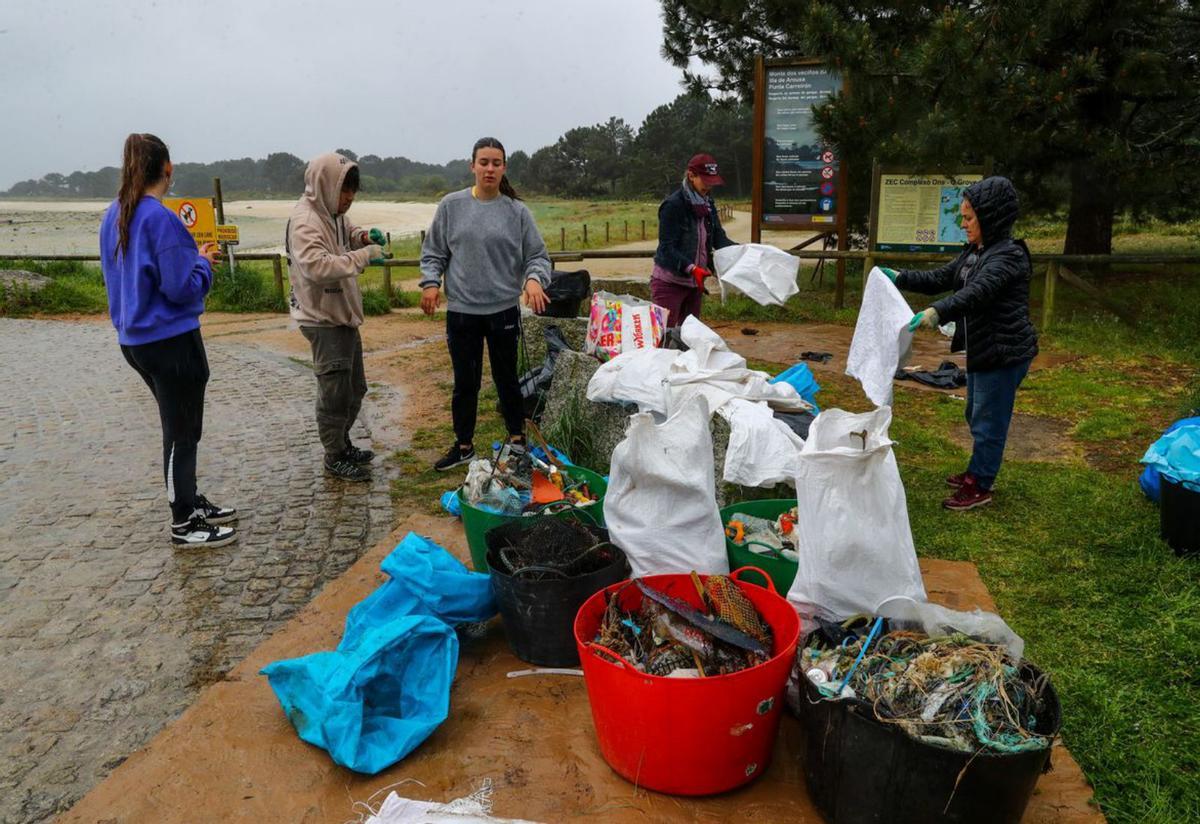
(604, 160)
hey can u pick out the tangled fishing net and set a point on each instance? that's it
(553, 548)
(952, 691)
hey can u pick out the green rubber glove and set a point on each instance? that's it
(891, 273)
(377, 237)
(379, 261)
(927, 317)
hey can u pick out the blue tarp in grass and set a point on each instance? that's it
(386, 687)
(1176, 454)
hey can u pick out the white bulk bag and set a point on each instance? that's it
(853, 536)
(661, 504)
(881, 343)
(762, 273)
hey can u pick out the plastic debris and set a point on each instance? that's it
(666, 635)
(518, 482)
(776, 538)
(951, 691)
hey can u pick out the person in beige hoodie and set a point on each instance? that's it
(326, 254)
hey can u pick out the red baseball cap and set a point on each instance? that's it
(705, 165)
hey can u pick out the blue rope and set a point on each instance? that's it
(862, 652)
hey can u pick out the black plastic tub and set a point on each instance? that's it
(862, 770)
(539, 615)
(1179, 514)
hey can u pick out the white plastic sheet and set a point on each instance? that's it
(708, 368)
(661, 505)
(854, 540)
(762, 273)
(935, 619)
(882, 343)
(635, 377)
(763, 450)
(471, 809)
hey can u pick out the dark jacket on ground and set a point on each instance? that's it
(678, 236)
(989, 301)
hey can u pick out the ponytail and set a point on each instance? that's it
(142, 167)
(506, 188)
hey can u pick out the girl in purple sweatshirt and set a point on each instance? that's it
(157, 281)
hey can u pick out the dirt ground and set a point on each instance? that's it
(234, 755)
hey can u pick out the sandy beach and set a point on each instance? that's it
(69, 227)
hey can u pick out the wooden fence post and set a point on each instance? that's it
(1048, 295)
(606, 232)
(562, 238)
(627, 230)
(585, 235)
(643, 230)
(387, 282)
(277, 265)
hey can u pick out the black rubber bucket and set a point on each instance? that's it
(1179, 516)
(539, 615)
(862, 770)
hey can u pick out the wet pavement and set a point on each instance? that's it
(106, 632)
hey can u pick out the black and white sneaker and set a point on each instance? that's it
(455, 456)
(197, 532)
(215, 514)
(342, 468)
(357, 456)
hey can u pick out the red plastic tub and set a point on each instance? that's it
(686, 736)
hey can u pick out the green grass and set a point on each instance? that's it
(1070, 550)
(419, 487)
(74, 286)
(556, 216)
(1072, 557)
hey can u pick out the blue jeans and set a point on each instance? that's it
(990, 397)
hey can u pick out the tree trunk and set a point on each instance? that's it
(1090, 220)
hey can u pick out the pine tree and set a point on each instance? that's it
(1091, 103)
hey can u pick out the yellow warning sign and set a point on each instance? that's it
(227, 233)
(198, 216)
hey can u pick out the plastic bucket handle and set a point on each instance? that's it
(736, 575)
(605, 652)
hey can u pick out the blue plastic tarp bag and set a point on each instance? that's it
(450, 502)
(801, 378)
(386, 687)
(425, 579)
(1160, 456)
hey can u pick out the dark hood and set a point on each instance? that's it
(996, 205)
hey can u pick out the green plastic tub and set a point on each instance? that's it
(781, 570)
(477, 522)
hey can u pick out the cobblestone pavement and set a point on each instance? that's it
(107, 632)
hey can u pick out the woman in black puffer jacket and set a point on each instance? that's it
(989, 303)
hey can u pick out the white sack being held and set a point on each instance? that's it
(853, 536)
(661, 505)
(881, 343)
(762, 273)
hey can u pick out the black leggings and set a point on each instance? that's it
(465, 335)
(176, 370)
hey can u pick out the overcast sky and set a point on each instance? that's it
(219, 79)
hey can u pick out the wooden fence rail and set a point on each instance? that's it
(1056, 267)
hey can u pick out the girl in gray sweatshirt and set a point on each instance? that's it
(486, 250)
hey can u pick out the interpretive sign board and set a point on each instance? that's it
(799, 180)
(913, 211)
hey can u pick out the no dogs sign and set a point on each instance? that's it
(198, 216)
